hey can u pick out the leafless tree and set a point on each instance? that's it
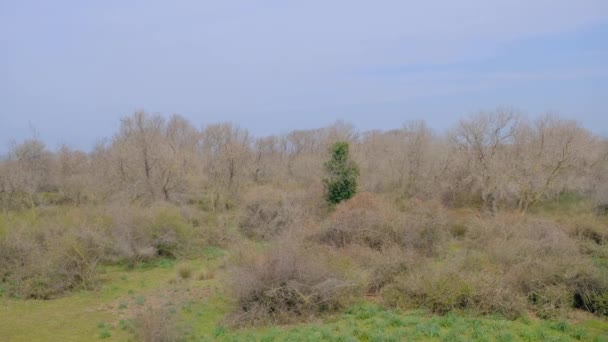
(152, 158)
(227, 153)
(548, 157)
(481, 141)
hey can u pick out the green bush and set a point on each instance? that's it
(342, 172)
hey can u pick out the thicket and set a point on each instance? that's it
(500, 214)
(51, 251)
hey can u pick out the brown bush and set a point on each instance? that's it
(369, 220)
(59, 249)
(366, 219)
(380, 268)
(591, 292)
(538, 259)
(448, 286)
(424, 227)
(184, 271)
(287, 283)
(143, 233)
(156, 324)
(588, 227)
(508, 264)
(46, 263)
(268, 212)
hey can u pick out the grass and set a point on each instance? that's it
(86, 316)
(369, 322)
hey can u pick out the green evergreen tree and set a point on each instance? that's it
(342, 172)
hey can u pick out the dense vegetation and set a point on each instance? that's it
(476, 233)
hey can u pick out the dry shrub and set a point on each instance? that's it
(184, 271)
(444, 287)
(365, 219)
(156, 324)
(538, 260)
(206, 275)
(492, 294)
(591, 292)
(534, 253)
(289, 282)
(438, 287)
(552, 301)
(269, 212)
(141, 234)
(588, 227)
(424, 226)
(55, 250)
(508, 264)
(382, 267)
(46, 263)
(369, 220)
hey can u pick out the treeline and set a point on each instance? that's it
(491, 160)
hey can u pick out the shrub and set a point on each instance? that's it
(440, 289)
(382, 266)
(58, 249)
(44, 264)
(206, 275)
(369, 220)
(289, 282)
(537, 259)
(424, 226)
(591, 293)
(141, 234)
(588, 227)
(342, 172)
(551, 301)
(156, 324)
(268, 213)
(444, 287)
(508, 264)
(184, 271)
(366, 219)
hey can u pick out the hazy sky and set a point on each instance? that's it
(71, 69)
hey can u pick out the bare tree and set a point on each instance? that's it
(548, 157)
(227, 153)
(481, 141)
(153, 158)
(72, 174)
(26, 171)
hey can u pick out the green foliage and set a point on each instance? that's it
(369, 322)
(342, 173)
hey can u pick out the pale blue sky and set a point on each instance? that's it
(73, 68)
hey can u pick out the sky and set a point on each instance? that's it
(69, 70)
